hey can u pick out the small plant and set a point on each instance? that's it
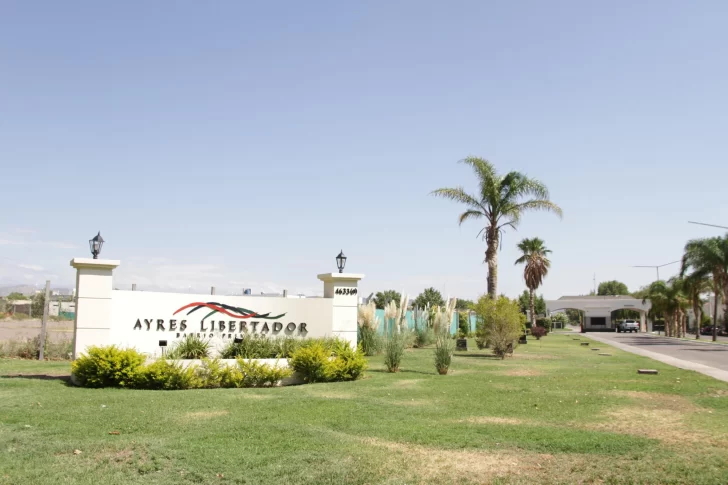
(444, 348)
(424, 336)
(164, 375)
(538, 332)
(107, 367)
(394, 351)
(368, 323)
(317, 363)
(256, 374)
(190, 347)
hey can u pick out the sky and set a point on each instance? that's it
(244, 144)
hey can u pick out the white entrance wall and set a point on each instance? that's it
(602, 307)
(143, 320)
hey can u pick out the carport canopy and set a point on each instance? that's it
(598, 309)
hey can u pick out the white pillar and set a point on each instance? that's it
(343, 288)
(92, 325)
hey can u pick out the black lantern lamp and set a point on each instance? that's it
(163, 346)
(341, 261)
(95, 245)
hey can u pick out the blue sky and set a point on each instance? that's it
(243, 144)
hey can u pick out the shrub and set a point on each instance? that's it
(312, 362)
(210, 373)
(464, 323)
(255, 374)
(107, 367)
(500, 323)
(393, 351)
(546, 323)
(369, 341)
(538, 332)
(424, 336)
(444, 348)
(190, 347)
(164, 375)
(317, 363)
(348, 364)
(262, 347)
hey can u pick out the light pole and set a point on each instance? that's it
(657, 267)
(710, 225)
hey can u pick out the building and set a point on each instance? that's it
(598, 310)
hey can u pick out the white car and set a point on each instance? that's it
(628, 326)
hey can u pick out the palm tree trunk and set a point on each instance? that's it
(698, 318)
(715, 314)
(533, 313)
(491, 258)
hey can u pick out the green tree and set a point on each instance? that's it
(560, 318)
(383, 297)
(500, 323)
(533, 255)
(37, 306)
(612, 288)
(574, 315)
(524, 302)
(501, 200)
(708, 258)
(430, 296)
(464, 304)
(15, 296)
(668, 299)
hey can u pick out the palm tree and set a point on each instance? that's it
(537, 266)
(667, 299)
(501, 200)
(694, 285)
(709, 258)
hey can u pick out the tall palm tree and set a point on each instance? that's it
(534, 254)
(501, 200)
(694, 285)
(667, 298)
(709, 258)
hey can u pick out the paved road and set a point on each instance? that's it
(707, 358)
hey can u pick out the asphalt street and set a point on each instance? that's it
(707, 358)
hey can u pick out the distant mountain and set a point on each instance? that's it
(30, 290)
(22, 289)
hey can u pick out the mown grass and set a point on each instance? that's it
(555, 413)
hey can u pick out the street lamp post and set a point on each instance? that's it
(341, 261)
(657, 267)
(95, 245)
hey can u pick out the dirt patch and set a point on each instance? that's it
(326, 393)
(492, 420)
(656, 400)
(523, 372)
(207, 414)
(434, 463)
(525, 356)
(406, 384)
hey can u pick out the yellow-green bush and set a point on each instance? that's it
(107, 367)
(256, 374)
(164, 375)
(316, 363)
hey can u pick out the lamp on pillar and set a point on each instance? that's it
(341, 261)
(95, 245)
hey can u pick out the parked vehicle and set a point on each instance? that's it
(628, 326)
(708, 330)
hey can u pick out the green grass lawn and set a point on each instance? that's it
(554, 413)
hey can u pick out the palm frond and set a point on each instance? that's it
(470, 214)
